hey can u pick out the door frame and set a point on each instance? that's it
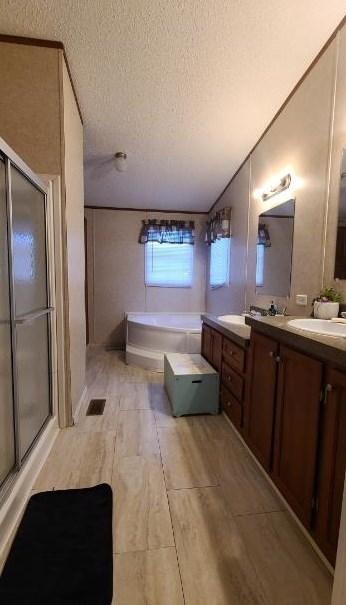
(86, 287)
(56, 243)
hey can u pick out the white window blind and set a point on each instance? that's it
(260, 265)
(169, 265)
(219, 262)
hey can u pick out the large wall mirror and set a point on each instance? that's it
(340, 254)
(274, 250)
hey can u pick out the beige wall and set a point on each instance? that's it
(299, 141)
(339, 143)
(74, 200)
(116, 273)
(231, 298)
(29, 105)
(39, 120)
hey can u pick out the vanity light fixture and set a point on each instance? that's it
(120, 161)
(283, 184)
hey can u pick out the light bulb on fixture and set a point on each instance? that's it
(120, 161)
(277, 187)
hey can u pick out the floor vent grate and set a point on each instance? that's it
(96, 407)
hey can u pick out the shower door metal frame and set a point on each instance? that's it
(10, 158)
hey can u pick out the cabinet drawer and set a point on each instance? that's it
(234, 355)
(231, 406)
(233, 381)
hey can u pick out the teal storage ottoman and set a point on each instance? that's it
(192, 385)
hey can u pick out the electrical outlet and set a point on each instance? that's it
(302, 300)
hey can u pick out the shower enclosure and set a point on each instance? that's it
(25, 314)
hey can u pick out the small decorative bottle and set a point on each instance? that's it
(272, 309)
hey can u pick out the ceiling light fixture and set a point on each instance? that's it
(120, 161)
(283, 184)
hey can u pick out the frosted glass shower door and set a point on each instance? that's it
(31, 308)
(7, 440)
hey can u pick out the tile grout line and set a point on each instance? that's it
(257, 513)
(169, 506)
(179, 489)
(142, 550)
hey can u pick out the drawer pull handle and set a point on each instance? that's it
(229, 404)
(229, 378)
(196, 381)
(327, 389)
(271, 354)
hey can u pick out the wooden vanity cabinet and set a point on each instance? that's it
(296, 430)
(230, 360)
(332, 463)
(212, 346)
(291, 410)
(260, 402)
(295, 424)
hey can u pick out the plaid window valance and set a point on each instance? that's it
(167, 232)
(219, 226)
(263, 238)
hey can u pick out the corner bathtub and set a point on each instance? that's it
(150, 335)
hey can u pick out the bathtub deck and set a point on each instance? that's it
(195, 522)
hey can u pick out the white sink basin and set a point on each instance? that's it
(232, 319)
(236, 324)
(320, 326)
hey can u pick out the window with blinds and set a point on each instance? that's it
(220, 262)
(168, 265)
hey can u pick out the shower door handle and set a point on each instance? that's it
(29, 317)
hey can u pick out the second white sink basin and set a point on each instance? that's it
(232, 319)
(320, 326)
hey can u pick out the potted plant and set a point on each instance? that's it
(326, 305)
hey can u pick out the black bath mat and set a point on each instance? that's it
(62, 552)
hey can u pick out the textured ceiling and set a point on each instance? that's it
(184, 87)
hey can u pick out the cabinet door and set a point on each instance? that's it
(216, 350)
(206, 343)
(296, 430)
(332, 463)
(260, 403)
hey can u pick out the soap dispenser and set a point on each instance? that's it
(272, 309)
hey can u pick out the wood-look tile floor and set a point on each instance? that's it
(195, 522)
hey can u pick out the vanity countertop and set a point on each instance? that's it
(327, 348)
(235, 333)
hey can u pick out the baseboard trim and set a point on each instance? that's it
(79, 405)
(14, 505)
(281, 497)
(108, 347)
